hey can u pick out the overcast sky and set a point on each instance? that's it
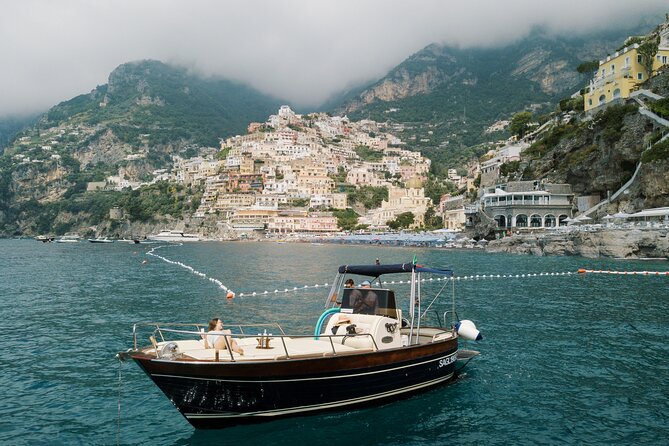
(299, 50)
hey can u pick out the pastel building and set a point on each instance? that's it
(400, 200)
(621, 73)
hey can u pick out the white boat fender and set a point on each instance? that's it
(467, 330)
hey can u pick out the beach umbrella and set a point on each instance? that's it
(607, 217)
(621, 215)
(583, 218)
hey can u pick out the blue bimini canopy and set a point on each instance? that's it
(378, 270)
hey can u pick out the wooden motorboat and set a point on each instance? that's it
(362, 351)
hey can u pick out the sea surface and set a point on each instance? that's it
(565, 359)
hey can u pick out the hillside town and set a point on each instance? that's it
(290, 173)
(299, 173)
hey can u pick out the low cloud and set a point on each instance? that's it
(298, 50)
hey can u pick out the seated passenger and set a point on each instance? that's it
(216, 337)
(364, 300)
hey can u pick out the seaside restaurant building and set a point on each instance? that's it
(528, 204)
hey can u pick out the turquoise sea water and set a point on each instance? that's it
(564, 360)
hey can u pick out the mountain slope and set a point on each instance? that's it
(12, 125)
(127, 128)
(446, 97)
(167, 103)
(600, 155)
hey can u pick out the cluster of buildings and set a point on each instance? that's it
(536, 204)
(288, 173)
(508, 205)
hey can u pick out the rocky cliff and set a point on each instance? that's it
(624, 244)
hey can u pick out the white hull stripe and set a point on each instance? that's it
(298, 409)
(306, 379)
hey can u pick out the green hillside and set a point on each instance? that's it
(168, 104)
(464, 91)
(11, 126)
(130, 127)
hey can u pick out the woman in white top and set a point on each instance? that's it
(216, 337)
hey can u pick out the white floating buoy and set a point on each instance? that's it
(467, 330)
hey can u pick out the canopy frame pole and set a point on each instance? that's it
(412, 304)
(453, 321)
(418, 299)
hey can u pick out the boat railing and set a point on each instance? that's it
(199, 328)
(159, 333)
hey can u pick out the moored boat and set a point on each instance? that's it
(173, 236)
(362, 352)
(69, 238)
(100, 240)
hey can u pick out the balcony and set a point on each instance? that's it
(599, 82)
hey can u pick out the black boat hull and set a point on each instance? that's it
(214, 395)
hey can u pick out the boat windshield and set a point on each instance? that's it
(375, 301)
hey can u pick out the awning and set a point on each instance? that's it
(657, 212)
(378, 270)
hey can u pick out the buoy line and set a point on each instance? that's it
(188, 267)
(624, 273)
(277, 291)
(395, 282)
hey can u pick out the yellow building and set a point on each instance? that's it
(621, 73)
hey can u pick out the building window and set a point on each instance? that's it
(639, 58)
(627, 62)
(616, 93)
(590, 101)
(639, 76)
(602, 99)
(535, 221)
(613, 68)
(664, 60)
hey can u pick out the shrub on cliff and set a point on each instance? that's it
(658, 152)
(660, 107)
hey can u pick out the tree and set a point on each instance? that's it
(648, 49)
(520, 123)
(588, 67)
(402, 221)
(347, 219)
(432, 220)
(508, 168)
(368, 196)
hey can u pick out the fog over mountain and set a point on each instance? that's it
(298, 50)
